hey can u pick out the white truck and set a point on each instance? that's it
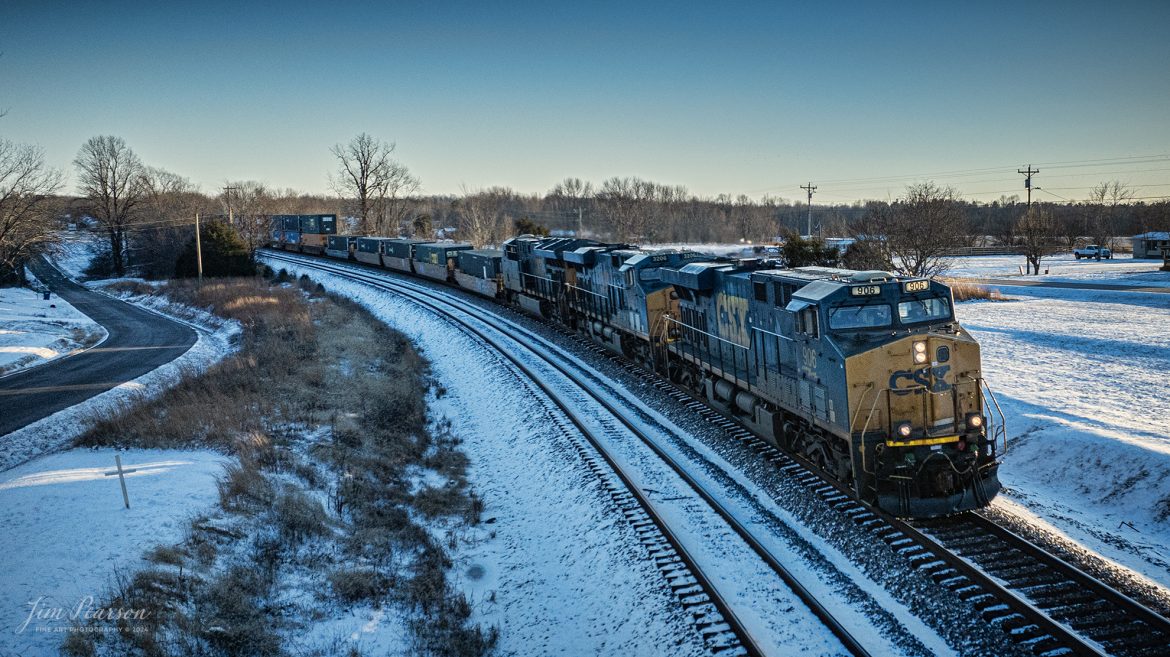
(1093, 251)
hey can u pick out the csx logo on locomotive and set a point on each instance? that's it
(904, 382)
(821, 362)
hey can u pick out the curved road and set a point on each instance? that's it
(138, 342)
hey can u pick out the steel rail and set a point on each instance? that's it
(378, 277)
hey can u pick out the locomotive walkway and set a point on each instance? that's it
(138, 342)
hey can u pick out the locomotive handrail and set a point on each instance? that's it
(1002, 430)
(865, 428)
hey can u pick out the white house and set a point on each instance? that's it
(1150, 245)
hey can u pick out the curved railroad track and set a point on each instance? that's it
(723, 632)
(1119, 624)
(1040, 602)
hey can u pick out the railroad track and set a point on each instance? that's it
(1041, 603)
(1119, 624)
(716, 621)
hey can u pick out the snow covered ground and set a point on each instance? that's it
(557, 568)
(34, 331)
(67, 536)
(1081, 376)
(74, 253)
(503, 465)
(1064, 267)
(216, 339)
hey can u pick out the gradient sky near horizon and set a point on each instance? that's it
(860, 98)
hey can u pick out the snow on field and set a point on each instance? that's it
(1081, 376)
(1064, 267)
(74, 253)
(34, 331)
(216, 339)
(67, 535)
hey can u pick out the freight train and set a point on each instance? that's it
(865, 375)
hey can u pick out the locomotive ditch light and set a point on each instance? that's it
(974, 420)
(904, 429)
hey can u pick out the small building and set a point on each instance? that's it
(1150, 245)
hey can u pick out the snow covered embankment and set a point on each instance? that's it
(553, 565)
(67, 535)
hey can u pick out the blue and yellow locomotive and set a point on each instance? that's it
(865, 374)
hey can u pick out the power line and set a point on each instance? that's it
(1028, 180)
(961, 173)
(810, 188)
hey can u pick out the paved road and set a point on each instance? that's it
(138, 342)
(1067, 285)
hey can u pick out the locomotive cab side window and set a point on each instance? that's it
(808, 322)
(760, 290)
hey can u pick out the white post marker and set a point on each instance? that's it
(121, 478)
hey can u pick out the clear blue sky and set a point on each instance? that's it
(730, 98)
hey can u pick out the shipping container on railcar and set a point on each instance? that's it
(369, 250)
(479, 271)
(437, 260)
(398, 253)
(818, 361)
(315, 231)
(341, 246)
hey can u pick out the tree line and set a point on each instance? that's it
(146, 214)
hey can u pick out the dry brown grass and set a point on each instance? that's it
(965, 290)
(321, 402)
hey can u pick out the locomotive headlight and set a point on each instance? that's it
(904, 429)
(919, 352)
(974, 421)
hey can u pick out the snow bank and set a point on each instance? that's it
(67, 535)
(34, 331)
(556, 568)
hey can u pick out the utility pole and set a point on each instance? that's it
(227, 195)
(1028, 180)
(198, 251)
(810, 188)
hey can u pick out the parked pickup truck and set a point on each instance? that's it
(1093, 251)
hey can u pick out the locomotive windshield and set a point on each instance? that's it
(924, 310)
(859, 317)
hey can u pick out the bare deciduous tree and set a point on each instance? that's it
(165, 221)
(26, 185)
(248, 204)
(1102, 206)
(1036, 233)
(111, 180)
(917, 232)
(483, 215)
(377, 183)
